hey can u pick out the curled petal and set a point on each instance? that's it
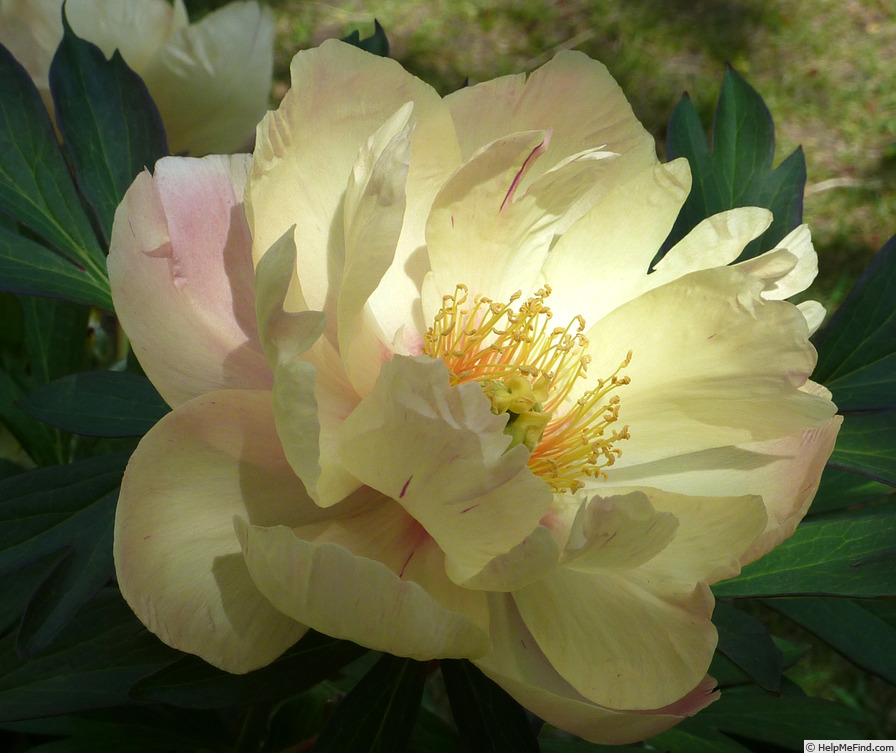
(177, 558)
(181, 272)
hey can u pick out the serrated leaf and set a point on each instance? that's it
(192, 683)
(848, 557)
(98, 404)
(745, 641)
(752, 714)
(857, 349)
(866, 444)
(66, 508)
(377, 43)
(378, 715)
(863, 631)
(738, 171)
(108, 121)
(36, 187)
(104, 650)
(27, 267)
(489, 720)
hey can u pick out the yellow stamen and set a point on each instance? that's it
(529, 371)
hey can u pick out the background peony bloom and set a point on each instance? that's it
(429, 397)
(210, 80)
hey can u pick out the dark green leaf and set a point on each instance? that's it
(851, 557)
(857, 349)
(489, 720)
(866, 444)
(67, 508)
(55, 337)
(728, 673)
(677, 740)
(35, 185)
(108, 120)
(738, 172)
(746, 642)
(29, 268)
(98, 404)
(378, 715)
(863, 631)
(104, 650)
(39, 440)
(377, 43)
(192, 683)
(843, 489)
(753, 714)
(135, 730)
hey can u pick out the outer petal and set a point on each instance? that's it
(785, 472)
(211, 79)
(519, 666)
(572, 95)
(620, 639)
(307, 149)
(373, 577)
(440, 452)
(713, 365)
(177, 558)
(182, 277)
(31, 30)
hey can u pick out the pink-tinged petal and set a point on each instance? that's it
(373, 577)
(306, 151)
(617, 532)
(211, 79)
(713, 365)
(573, 96)
(620, 639)
(519, 666)
(177, 557)
(182, 279)
(599, 263)
(440, 452)
(373, 213)
(783, 472)
(311, 394)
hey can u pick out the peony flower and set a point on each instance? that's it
(428, 395)
(210, 80)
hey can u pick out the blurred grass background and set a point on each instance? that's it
(825, 68)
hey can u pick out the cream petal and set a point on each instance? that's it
(801, 274)
(137, 30)
(306, 151)
(713, 365)
(177, 558)
(712, 535)
(373, 577)
(211, 79)
(783, 472)
(618, 532)
(311, 395)
(373, 213)
(620, 639)
(814, 313)
(599, 263)
(31, 30)
(440, 452)
(518, 665)
(573, 96)
(181, 273)
(714, 242)
(525, 563)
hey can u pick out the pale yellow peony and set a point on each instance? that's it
(210, 80)
(429, 397)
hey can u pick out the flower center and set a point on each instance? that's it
(529, 370)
